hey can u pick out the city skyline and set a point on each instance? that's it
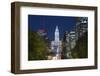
(49, 23)
(57, 37)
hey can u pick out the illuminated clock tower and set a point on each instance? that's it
(56, 45)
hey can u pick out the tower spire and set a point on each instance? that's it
(56, 29)
(56, 34)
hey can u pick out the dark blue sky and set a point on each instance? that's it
(49, 23)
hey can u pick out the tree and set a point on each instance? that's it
(37, 47)
(81, 50)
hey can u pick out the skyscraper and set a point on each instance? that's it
(56, 45)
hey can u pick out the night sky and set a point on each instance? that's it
(49, 23)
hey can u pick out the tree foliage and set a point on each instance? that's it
(81, 50)
(37, 47)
